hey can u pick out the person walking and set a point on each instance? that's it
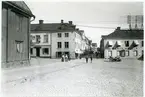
(91, 57)
(62, 58)
(66, 58)
(86, 59)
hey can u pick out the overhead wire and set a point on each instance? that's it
(96, 27)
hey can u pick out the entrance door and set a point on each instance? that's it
(38, 52)
(58, 54)
(122, 53)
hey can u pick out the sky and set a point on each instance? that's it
(95, 14)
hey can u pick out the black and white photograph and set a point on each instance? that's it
(72, 48)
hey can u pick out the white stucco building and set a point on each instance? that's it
(62, 38)
(124, 43)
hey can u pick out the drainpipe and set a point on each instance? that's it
(29, 36)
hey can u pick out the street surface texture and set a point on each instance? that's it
(75, 78)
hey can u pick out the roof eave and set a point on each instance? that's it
(20, 10)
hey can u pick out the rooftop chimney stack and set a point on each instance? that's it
(61, 21)
(118, 28)
(70, 22)
(40, 21)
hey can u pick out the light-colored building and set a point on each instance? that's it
(124, 43)
(40, 44)
(63, 38)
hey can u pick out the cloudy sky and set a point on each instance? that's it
(96, 15)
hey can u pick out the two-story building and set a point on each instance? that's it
(124, 43)
(40, 41)
(15, 33)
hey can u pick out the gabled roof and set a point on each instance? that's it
(125, 34)
(19, 6)
(53, 27)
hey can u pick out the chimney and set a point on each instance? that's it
(40, 21)
(70, 22)
(118, 28)
(61, 21)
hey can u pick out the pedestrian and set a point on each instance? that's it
(62, 58)
(87, 59)
(91, 57)
(66, 58)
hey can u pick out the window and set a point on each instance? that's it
(59, 34)
(32, 37)
(66, 34)
(110, 53)
(58, 44)
(31, 50)
(127, 53)
(19, 46)
(142, 43)
(66, 44)
(135, 53)
(45, 51)
(45, 38)
(38, 38)
(126, 43)
(118, 53)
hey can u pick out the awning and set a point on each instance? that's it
(109, 44)
(134, 44)
(117, 44)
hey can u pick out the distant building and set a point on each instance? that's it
(124, 43)
(15, 33)
(94, 46)
(63, 38)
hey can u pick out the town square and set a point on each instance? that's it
(68, 49)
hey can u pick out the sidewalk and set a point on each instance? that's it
(39, 67)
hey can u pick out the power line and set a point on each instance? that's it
(96, 27)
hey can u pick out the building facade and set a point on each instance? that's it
(15, 33)
(40, 44)
(64, 38)
(124, 43)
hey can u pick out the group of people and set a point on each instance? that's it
(65, 58)
(87, 58)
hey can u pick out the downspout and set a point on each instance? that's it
(29, 46)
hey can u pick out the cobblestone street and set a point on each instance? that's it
(77, 78)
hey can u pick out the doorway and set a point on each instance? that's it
(38, 52)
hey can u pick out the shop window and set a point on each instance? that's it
(45, 51)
